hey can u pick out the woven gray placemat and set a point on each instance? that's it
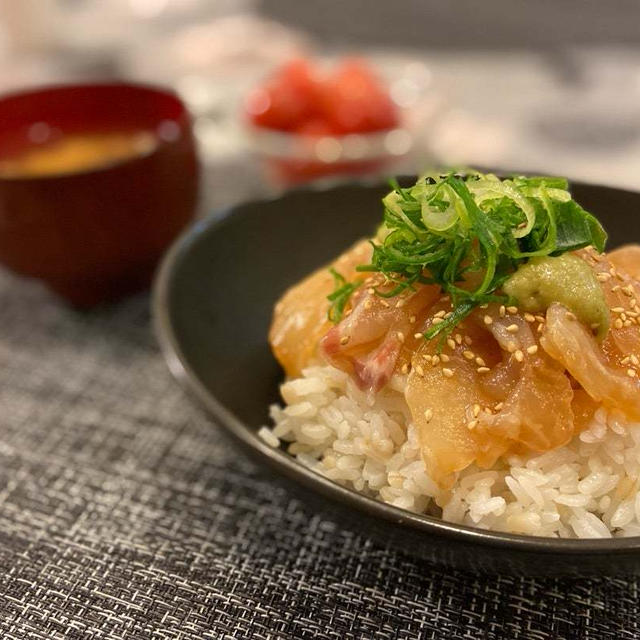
(125, 513)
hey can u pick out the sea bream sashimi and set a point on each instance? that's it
(300, 316)
(503, 381)
(517, 378)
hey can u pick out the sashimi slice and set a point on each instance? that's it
(300, 316)
(467, 412)
(368, 342)
(572, 345)
(627, 259)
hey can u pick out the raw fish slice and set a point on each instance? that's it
(466, 413)
(627, 260)
(571, 344)
(300, 316)
(440, 409)
(369, 341)
(621, 347)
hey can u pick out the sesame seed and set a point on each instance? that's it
(384, 303)
(603, 277)
(480, 362)
(427, 357)
(503, 310)
(400, 336)
(447, 372)
(617, 309)
(615, 288)
(468, 354)
(435, 359)
(518, 355)
(437, 321)
(634, 359)
(618, 324)
(628, 290)
(498, 406)
(468, 341)
(458, 338)
(412, 320)
(472, 424)
(418, 335)
(419, 370)
(405, 368)
(448, 314)
(631, 373)
(513, 328)
(444, 357)
(625, 360)
(371, 290)
(483, 369)
(512, 309)
(476, 410)
(540, 327)
(532, 349)
(529, 317)
(400, 303)
(594, 325)
(484, 306)
(439, 314)
(570, 316)
(627, 323)
(368, 303)
(428, 415)
(345, 339)
(540, 318)
(511, 347)
(451, 343)
(488, 320)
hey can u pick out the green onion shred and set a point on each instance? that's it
(453, 230)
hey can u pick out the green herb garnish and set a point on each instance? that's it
(468, 234)
(340, 296)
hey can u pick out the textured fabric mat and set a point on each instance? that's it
(124, 513)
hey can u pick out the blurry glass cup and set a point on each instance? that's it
(292, 158)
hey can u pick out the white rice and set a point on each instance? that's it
(587, 489)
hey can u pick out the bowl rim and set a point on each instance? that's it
(287, 465)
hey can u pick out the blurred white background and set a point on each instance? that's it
(491, 84)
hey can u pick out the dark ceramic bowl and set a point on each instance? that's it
(213, 300)
(96, 234)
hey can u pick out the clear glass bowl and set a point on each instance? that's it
(293, 158)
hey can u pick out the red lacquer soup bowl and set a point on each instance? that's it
(76, 210)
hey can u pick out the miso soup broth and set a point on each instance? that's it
(78, 152)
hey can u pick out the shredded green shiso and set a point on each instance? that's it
(341, 293)
(449, 227)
